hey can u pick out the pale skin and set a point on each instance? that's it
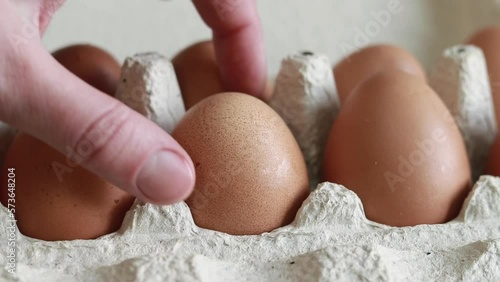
(40, 97)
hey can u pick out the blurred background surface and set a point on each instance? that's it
(331, 27)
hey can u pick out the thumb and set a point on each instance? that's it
(92, 129)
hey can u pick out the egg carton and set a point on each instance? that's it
(330, 239)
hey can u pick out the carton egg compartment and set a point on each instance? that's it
(330, 238)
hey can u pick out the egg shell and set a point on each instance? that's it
(363, 64)
(7, 134)
(250, 174)
(91, 64)
(397, 147)
(57, 200)
(493, 165)
(198, 74)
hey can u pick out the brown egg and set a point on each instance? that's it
(488, 40)
(55, 200)
(93, 65)
(397, 147)
(493, 165)
(250, 174)
(198, 74)
(367, 62)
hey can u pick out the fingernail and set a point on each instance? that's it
(411, 69)
(166, 178)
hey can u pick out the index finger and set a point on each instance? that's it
(47, 10)
(238, 42)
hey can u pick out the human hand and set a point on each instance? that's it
(42, 98)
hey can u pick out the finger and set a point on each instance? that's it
(238, 42)
(93, 129)
(36, 13)
(47, 10)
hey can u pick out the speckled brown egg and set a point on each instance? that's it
(368, 61)
(198, 74)
(91, 64)
(397, 147)
(57, 200)
(250, 174)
